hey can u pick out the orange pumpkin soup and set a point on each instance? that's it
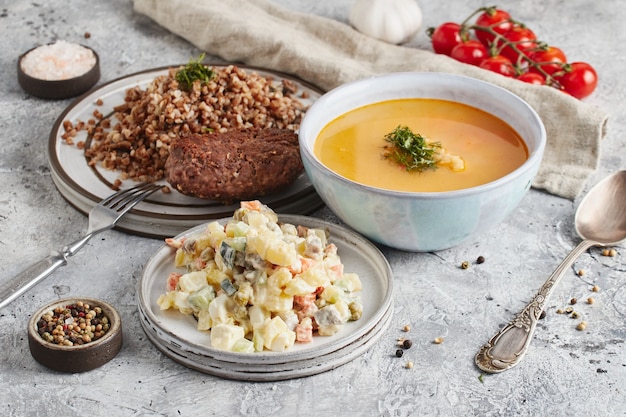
(352, 145)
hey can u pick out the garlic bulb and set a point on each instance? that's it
(393, 21)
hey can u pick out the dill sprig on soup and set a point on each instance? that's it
(411, 150)
(415, 153)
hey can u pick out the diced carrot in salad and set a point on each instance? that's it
(172, 280)
(304, 330)
(174, 243)
(254, 205)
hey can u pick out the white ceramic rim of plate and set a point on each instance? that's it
(159, 215)
(262, 367)
(274, 372)
(358, 255)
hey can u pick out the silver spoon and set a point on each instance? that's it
(600, 221)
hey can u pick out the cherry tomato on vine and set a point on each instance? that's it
(550, 59)
(498, 64)
(471, 52)
(523, 38)
(532, 78)
(580, 81)
(498, 20)
(445, 37)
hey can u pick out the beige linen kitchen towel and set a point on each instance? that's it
(328, 53)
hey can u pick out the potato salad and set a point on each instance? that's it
(258, 284)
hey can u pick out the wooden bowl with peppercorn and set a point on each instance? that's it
(75, 334)
(421, 161)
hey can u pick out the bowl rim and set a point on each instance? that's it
(533, 160)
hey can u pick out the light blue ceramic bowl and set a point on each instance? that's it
(422, 222)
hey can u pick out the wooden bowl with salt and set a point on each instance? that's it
(58, 70)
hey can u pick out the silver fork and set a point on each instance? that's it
(102, 217)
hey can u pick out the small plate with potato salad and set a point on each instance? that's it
(259, 290)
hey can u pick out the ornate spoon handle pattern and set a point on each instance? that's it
(507, 347)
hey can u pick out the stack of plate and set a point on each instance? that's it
(176, 335)
(160, 215)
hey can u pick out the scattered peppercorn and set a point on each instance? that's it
(581, 272)
(595, 288)
(609, 252)
(582, 325)
(591, 300)
(87, 35)
(407, 344)
(480, 259)
(399, 353)
(464, 265)
(438, 340)
(573, 301)
(406, 328)
(575, 315)
(409, 365)
(74, 324)
(568, 310)
(559, 311)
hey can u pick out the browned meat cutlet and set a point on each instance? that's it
(238, 164)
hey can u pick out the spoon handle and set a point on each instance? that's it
(507, 347)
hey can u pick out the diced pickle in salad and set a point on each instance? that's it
(258, 284)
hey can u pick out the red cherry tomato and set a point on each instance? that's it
(445, 37)
(498, 20)
(532, 78)
(499, 64)
(549, 59)
(580, 81)
(523, 38)
(470, 52)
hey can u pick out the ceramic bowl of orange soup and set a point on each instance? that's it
(498, 137)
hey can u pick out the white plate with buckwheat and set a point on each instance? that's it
(161, 215)
(176, 335)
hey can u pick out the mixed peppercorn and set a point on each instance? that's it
(74, 324)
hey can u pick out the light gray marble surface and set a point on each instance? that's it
(566, 373)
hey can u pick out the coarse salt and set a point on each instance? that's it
(58, 61)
